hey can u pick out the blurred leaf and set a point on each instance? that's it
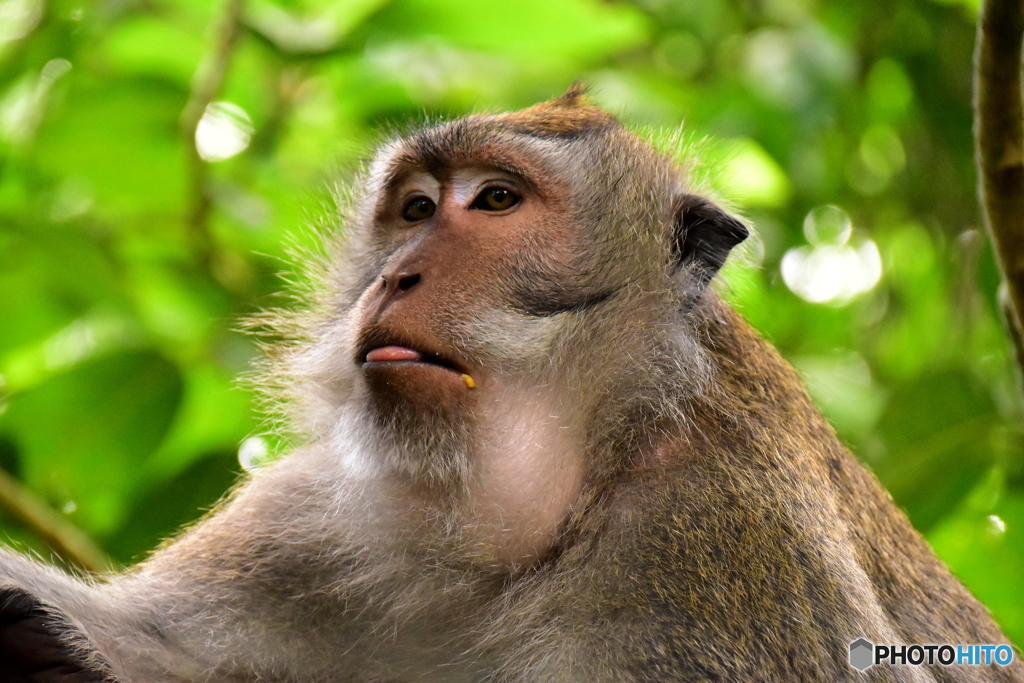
(571, 29)
(313, 31)
(83, 436)
(49, 276)
(154, 46)
(214, 415)
(160, 510)
(986, 551)
(889, 90)
(754, 178)
(122, 138)
(842, 386)
(177, 306)
(937, 431)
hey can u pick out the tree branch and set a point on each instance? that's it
(206, 84)
(67, 540)
(999, 145)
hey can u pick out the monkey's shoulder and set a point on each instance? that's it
(676, 555)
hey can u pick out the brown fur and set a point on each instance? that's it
(638, 488)
(570, 114)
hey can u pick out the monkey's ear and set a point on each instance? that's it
(702, 236)
(39, 643)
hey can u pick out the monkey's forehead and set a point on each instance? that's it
(536, 144)
(564, 119)
(470, 142)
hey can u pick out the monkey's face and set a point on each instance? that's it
(456, 241)
(517, 258)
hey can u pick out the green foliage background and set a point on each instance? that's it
(120, 298)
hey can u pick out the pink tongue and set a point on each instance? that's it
(386, 353)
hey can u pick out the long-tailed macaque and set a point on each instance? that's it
(538, 447)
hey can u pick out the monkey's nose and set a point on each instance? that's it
(400, 283)
(394, 286)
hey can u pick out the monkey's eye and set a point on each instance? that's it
(495, 199)
(418, 209)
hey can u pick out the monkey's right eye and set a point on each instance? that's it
(418, 209)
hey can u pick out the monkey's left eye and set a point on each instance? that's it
(418, 209)
(495, 199)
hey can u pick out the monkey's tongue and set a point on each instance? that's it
(392, 353)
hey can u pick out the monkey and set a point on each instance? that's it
(536, 445)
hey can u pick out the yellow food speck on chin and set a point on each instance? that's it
(469, 381)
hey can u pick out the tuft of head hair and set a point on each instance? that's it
(575, 95)
(569, 115)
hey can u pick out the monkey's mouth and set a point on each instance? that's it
(403, 355)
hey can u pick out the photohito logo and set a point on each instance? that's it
(864, 654)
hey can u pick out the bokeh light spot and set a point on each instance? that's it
(224, 131)
(253, 453)
(830, 270)
(18, 18)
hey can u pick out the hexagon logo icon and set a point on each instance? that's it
(861, 654)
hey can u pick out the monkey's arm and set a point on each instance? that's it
(54, 627)
(232, 595)
(38, 641)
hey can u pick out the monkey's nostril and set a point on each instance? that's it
(408, 282)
